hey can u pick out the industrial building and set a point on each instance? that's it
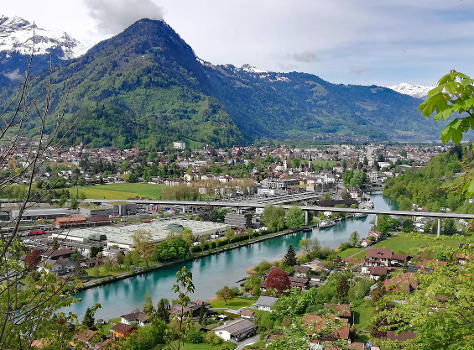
(243, 220)
(121, 235)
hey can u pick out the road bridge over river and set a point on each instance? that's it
(306, 208)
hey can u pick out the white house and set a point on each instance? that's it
(265, 303)
(236, 330)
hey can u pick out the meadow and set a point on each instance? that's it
(119, 191)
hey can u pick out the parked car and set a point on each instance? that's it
(39, 232)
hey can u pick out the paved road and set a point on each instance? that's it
(247, 341)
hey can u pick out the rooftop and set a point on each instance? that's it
(122, 234)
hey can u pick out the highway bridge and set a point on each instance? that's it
(242, 204)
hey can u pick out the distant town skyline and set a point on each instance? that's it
(347, 41)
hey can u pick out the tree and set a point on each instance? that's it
(407, 225)
(187, 235)
(33, 258)
(163, 310)
(33, 122)
(183, 287)
(427, 227)
(143, 244)
(439, 310)
(273, 217)
(225, 293)
(89, 316)
(290, 257)
(278, 280)
(454, 94)
(305, 243)
(120, 258)
(89, 319)
(295, 217)
(448, 226)
(342, 289)
(229, 234)
(55, 245)
(354, 239)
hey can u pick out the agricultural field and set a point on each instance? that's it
(119, 191)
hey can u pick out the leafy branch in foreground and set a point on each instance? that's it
(454, 94)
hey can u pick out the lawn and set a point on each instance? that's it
(362, 315)
(119, 191)
(413, 243)
(348, 252)
(235, 303)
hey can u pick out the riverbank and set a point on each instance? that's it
(141, 270)
(211, 270)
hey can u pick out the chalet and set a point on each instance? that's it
(193, 309)
(301, 271)
(265, 303)
(104, 344)
(62, 252)
(83, 338)
(299, 283)
(61, 266)
(378, 257)
(315, 265)
(248, 314)
(377, 272)
(236, 330)
(403, 283)
(136, 316)
(340, 310)
(121, 330)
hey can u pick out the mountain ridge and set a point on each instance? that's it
(148, 79)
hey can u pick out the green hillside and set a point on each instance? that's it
(442, 183)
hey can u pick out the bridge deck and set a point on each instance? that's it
(304, 207)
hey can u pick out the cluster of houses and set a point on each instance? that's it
(194, 164)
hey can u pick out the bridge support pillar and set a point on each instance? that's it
(376, 220)
(306, 218)
(439, 227)
(184, 209)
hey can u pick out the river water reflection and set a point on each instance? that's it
(212, 272)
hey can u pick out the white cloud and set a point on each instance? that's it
(113, 16)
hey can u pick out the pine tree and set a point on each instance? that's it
(342, 289)
(89, 318)
(163, 310)
(290, 257)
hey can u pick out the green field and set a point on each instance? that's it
(234, 304)
(119, 191)
(348, 252)
(362, 315)
(413, 243)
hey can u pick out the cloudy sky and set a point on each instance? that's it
(344, 41)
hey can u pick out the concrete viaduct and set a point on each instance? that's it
(305, 208)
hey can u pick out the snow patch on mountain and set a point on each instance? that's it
(21, 36)
(414, 90)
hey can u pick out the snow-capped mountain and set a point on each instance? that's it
(414, 90)
(20, 36)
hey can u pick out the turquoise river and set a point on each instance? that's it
(212, 272)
